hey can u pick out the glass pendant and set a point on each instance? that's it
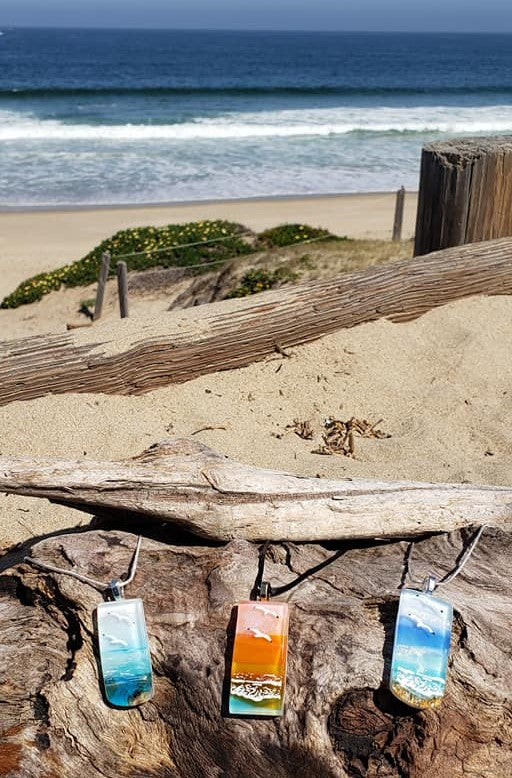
(258, 671)
(421, 647)
(124, 652)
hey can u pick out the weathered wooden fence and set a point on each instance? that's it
(465, 193)
(233, 333)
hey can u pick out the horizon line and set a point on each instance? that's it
(250, 29)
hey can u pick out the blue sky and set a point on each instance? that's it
(377, 15)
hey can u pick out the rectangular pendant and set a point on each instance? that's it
(124, 652)
(421, 649)
(258, 670)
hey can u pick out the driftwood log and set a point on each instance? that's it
(135, 357)
(189, 485)
(465, 192)
(340, 719)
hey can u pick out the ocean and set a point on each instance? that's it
(147, 116)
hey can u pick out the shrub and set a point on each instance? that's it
(260, 281)
(150, 247)
(144, 244)
(288, 234)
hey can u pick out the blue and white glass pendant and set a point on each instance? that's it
(421, 647)
(124, 652)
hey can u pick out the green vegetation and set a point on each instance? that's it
(288, 234)
(178, 245)
(260, 280)
(144, 244)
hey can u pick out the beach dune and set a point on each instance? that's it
(34, 241)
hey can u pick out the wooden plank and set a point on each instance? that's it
(178, 346)
(186, 483)
(340, 718)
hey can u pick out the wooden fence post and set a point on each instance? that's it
(399, 214)
(465, 193)
(105, 266)
(122, 288)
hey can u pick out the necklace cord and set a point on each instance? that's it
(92, 581)
(258, 583)
(277, 590)
(133, 566)
(459, 565)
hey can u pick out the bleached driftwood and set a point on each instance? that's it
(137, 356)
(188, 484)
(340, 719)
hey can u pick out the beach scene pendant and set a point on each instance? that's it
(258, 670)
(421, 647)
(124, 652)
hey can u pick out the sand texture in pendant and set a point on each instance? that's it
(258, 671)
(124, 652)
(421, 649)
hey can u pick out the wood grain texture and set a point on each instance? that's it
(134, 357)
(340, 720)
(399, 215)
(465, 193)
(197, 490)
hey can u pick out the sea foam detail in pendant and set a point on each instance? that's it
(258, 670)
(124, 652)
(421, 649)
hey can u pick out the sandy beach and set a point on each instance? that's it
(362, 380)
(440, 384)
(34, 241)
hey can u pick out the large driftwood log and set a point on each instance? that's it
(465, 192)
(188, 484)
(340, 720)
(134, 357)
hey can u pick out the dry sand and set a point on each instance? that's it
(36, 241)
(57, 309)
(441, 384)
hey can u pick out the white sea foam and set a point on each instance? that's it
(421, 684)
(321, 122)
(256, 690)
(266, 687)
(264, 680)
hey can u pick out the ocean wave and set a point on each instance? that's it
(256, 89)
(270, 124)
(421, 684)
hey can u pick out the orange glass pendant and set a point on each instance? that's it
(258, 670)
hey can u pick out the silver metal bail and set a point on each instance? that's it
(114, 590)
(429, 584)
(264, 591)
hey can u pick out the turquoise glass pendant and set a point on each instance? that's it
(421, 647)
(124, 652)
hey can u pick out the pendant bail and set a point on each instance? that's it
(429, 584)
(263, 591)
(115, 591)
